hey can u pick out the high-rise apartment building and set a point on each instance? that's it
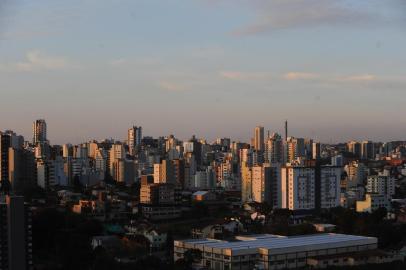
(21, 169)
(261, 184)
(355, 148)
(134, 137)
(308, 148)
(15, 234)
(316, 150)
(101, 160)
(194, 146)
(171, 143)
(246, 182)
(259, 144)
(367, 150)
(67, 150)
(39, 129)
(10, 144)
(205, 179)
(116, 152)
(274, 149)
(124, 171)
(295, 148)
(310, 187)
(164, 172)
(381, 184)
(328, 189)
(179, 172)
(298, 188)
(5, 144)
(356, 174)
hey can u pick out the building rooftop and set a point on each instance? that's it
(200, 193)
(269, 241)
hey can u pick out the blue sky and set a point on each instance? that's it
(335, 69)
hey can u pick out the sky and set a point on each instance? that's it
(335, 69)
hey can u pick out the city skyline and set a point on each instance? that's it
(248, 135)
(202, 134)
(93, 68)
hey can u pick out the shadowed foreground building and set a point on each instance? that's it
(281, 252)
(15, 234)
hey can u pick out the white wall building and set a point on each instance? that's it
(271, 251)
(298, 188)
(330, 189)
(381, 184)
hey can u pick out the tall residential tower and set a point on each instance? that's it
(39, 129)
(134, 137)
(259, 143)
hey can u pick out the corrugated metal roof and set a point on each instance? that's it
(277, 242)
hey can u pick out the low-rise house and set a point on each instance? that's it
(90, 208)
(219, 231)
(161, 212)
(202, 196)
(108, 242)
(157, 239)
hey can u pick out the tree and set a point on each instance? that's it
(192, 256)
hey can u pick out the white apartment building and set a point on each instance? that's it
(274, 149)
(261, 184)
(305, 188)
(330, 178)
(381, 184)
(298, 188)
(356, 174)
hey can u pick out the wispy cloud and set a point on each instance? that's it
(300, 76)
(172, 86)
(245, 76)
(359, 78)
(38, 61)
(318, 79)
(238, 75)
(283, 14)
